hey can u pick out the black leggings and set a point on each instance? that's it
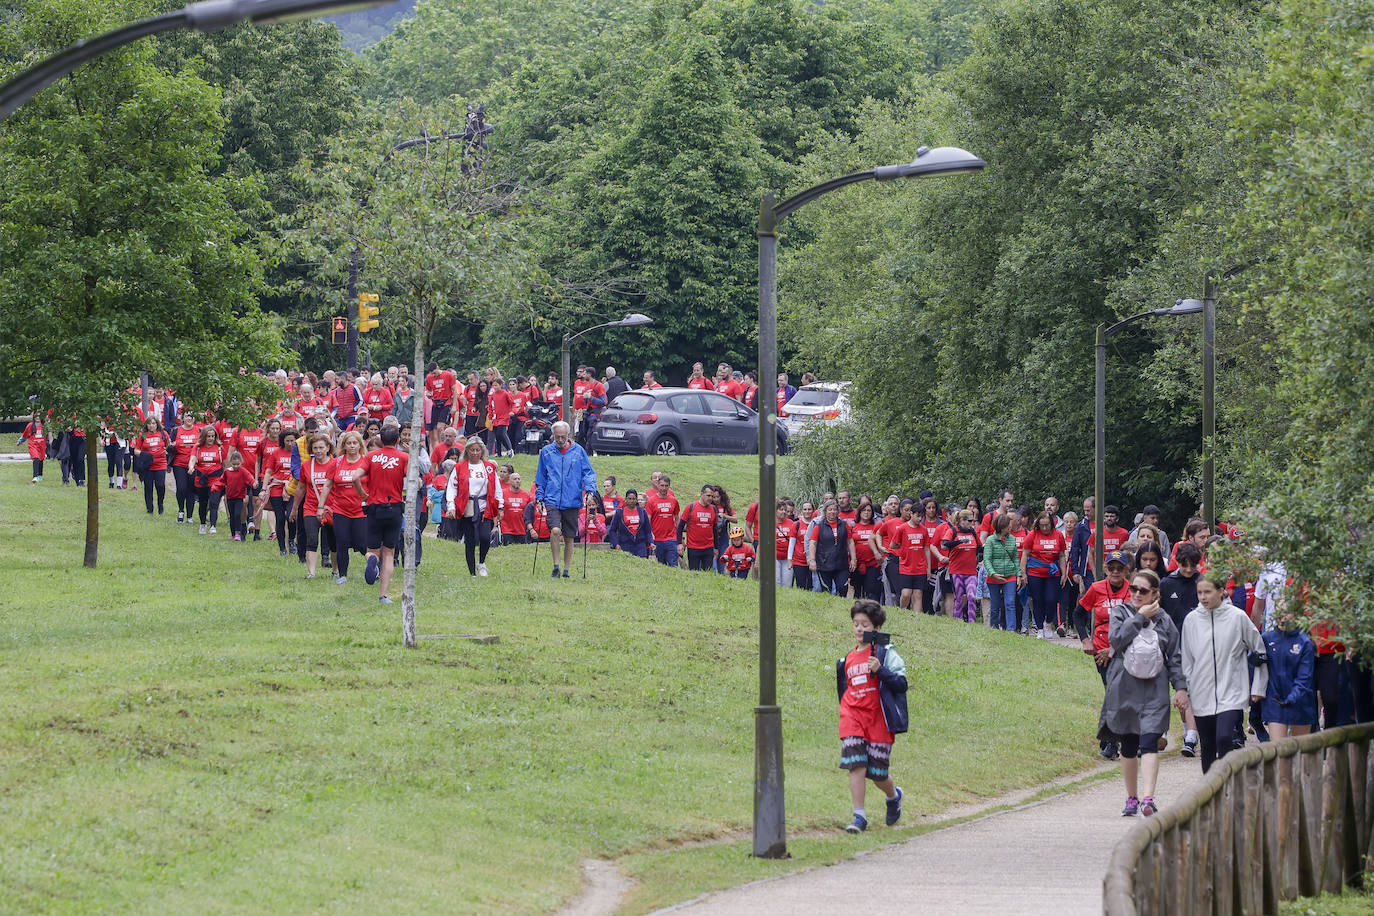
(700, 558)
(1139, 745)
(286, 529)
(1218, 734)
(76, 457)
(117, 460)
(186, 494)
(869, 584)
(208, 497)
(38, 467)
(154, 480)
(801, 577)
(476, 535)
(502, 436)
(1332, 689)
(838, 579)
(349, 533)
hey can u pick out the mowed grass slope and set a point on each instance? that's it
(194, 727)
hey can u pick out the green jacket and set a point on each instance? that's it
(999, 557)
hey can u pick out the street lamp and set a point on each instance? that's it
(770, 830)
(204, 16)
(634, 319)
(1181, 308)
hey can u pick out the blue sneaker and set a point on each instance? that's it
(894, 808)
(373, 568)
(567, 574)
(858, 825)
(555, 571)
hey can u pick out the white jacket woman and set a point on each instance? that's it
(1218, 640)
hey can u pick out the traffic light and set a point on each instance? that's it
(340, 326)
(367, 312)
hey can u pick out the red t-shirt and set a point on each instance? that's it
(314, 407)
(663, 511)
(277, 461)
(436, 457)
(751, 522)
(888, 529)
(386, 476)
(799, 548)
(378, 402)
(499, 407)
(1020, 535)
(731, 387)
(962, 549)
(250, 446)
(313, 475)
(343, 498)
(441, 385)
(154, 444)
(185, 440)
(1046, 548)
(738, 559)
(861, 532)
(911, 550)
(513, 511)
(470, 393)
(700, 533)
(237, 482)
(1112, 539)
(210, 459)
(596, 390)
(787, 531)
(1099, 600)
(861, 710)
(580, 388)
(519, 402)
(943, 531)
(703, 384)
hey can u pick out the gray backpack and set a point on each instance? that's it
(1144, 658)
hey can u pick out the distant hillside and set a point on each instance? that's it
(367, 27)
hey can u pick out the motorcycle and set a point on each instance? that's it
(539, 426)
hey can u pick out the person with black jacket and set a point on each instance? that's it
(830, 550)
(871, 681)
(629, 528)
(1178, 598)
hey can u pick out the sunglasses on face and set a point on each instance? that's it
(1137, 590)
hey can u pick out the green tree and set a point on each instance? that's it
(436, 231)
(118, 252)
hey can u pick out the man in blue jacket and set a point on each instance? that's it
(563, 482)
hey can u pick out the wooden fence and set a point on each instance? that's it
(1270, 822)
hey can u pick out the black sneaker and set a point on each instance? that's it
(1189, 748)
(858, 825)
(555, 572)
(1109, 751)
(894, 808)
(566, 574)
(257, 535)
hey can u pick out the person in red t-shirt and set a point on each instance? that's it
(725, 382)
(697, 530)
(739, 557)
(1045, 570)
(663, 510)
(650, 381)
(500, 406)
(344, 494)
(377, 399)
(911, 545)
(1113, 536)
(440, 387)
(960, 552)
(871, 678)
(37, 441)
(153, 441)
(205, 467)
(867, 579)
(276, 472)
(238, 481)
(470, 405)
(1094, 615)
(184, 439)
(315, 481)
(699, 380)
(786, 537)
(513, 513)
(384, 479)
(252, 440)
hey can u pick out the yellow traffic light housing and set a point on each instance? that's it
(340, 329)
(367, 312)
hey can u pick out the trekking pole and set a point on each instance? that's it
(584, 547)
(535, 568)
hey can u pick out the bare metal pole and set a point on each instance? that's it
(1209, 400)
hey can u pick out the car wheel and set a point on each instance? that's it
(665, 445)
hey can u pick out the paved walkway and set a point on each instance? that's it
(1048, 857)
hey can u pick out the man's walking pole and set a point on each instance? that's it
(534, 540)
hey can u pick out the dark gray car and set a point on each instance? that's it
(678, 421)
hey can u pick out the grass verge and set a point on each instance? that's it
(194, 727)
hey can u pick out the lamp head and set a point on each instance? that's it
(1182, 308)
(943, 160)
(632, 320)
(207, 15)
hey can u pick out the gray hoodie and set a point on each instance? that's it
(1216, 644)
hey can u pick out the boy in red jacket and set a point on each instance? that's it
(238, 480)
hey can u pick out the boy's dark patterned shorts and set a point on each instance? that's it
(856, 752)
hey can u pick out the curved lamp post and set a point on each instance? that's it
(1181, 308)
(770, 830)
(634, 319)
(204, 16)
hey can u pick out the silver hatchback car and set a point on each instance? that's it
(817, 404)
(678, 421)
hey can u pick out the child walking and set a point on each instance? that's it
(872, 686)
(238, 480)
(961, 554)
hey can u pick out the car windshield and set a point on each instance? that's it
(813, 397)
(633, 400)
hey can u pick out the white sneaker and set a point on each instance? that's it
(252, 527)
(342, 580)
(481, 569)
(212, 529)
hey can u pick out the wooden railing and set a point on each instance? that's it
(1270, 822)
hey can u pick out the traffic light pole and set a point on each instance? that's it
(352, 345)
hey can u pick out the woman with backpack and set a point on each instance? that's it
(1145, 659)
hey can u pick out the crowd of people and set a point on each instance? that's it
(323, 475)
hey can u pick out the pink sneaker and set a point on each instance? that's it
(238, 537)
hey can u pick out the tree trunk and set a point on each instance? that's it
(408, 519)
(92, 503)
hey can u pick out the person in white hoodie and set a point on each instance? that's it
(1218, 638)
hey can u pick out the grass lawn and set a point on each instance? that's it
(193, 727)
